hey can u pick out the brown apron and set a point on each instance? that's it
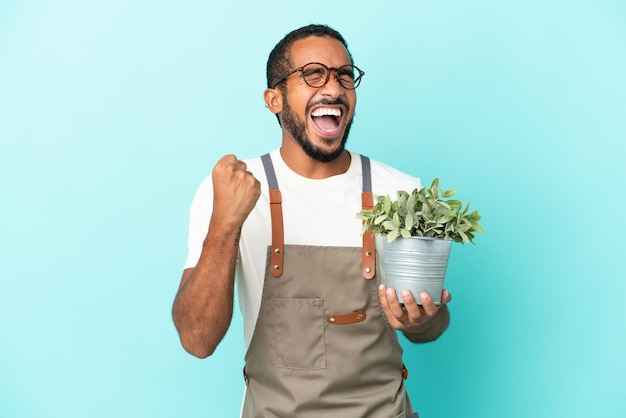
(322, 346)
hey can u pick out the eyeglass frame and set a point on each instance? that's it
(357, 80)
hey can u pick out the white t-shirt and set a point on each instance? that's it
(315, 212)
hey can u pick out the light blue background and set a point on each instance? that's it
(112, 112)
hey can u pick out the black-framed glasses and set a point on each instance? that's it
(316, 75)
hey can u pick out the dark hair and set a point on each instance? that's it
(279, 60)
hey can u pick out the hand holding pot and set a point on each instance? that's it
(419, 323)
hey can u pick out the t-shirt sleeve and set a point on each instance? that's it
(199, 217)
(387, 180)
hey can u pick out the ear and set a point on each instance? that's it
(273, 100)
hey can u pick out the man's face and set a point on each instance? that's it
(318, 119)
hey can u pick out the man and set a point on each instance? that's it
(319, 329)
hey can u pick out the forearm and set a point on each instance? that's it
(203, 307)
(433, 329)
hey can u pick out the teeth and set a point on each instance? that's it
(326, 111)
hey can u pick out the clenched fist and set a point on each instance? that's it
(235, 189)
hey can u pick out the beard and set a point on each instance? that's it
(297, 129)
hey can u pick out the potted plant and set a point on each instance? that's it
(414, 234)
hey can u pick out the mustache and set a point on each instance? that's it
(337, 101)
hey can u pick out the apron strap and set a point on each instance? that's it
(276, 213)
(367, 202)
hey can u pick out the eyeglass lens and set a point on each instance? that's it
(316, 75)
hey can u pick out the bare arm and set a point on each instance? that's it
(203, 306)
(419, 323)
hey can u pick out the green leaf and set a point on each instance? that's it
(446, 218)
(448, 193)
(474, 216)
(408, 221)
(389, 225)
(410, 204)
(455, 204)
(387, 204)
(466, 208)
(434, 186)
(380, 219)
(393, 235)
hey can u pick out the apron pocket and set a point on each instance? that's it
(299, 333)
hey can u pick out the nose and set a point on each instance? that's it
(332, 88)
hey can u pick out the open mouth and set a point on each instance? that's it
(327, 120)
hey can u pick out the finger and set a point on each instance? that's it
(226, 166)
(427, 304)
(446, 297)
(413, 310)
(227, 159)
(384, 303)
(407, 298)
(230, 161)
(394, 303)
(382, 295)
(238, 166)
